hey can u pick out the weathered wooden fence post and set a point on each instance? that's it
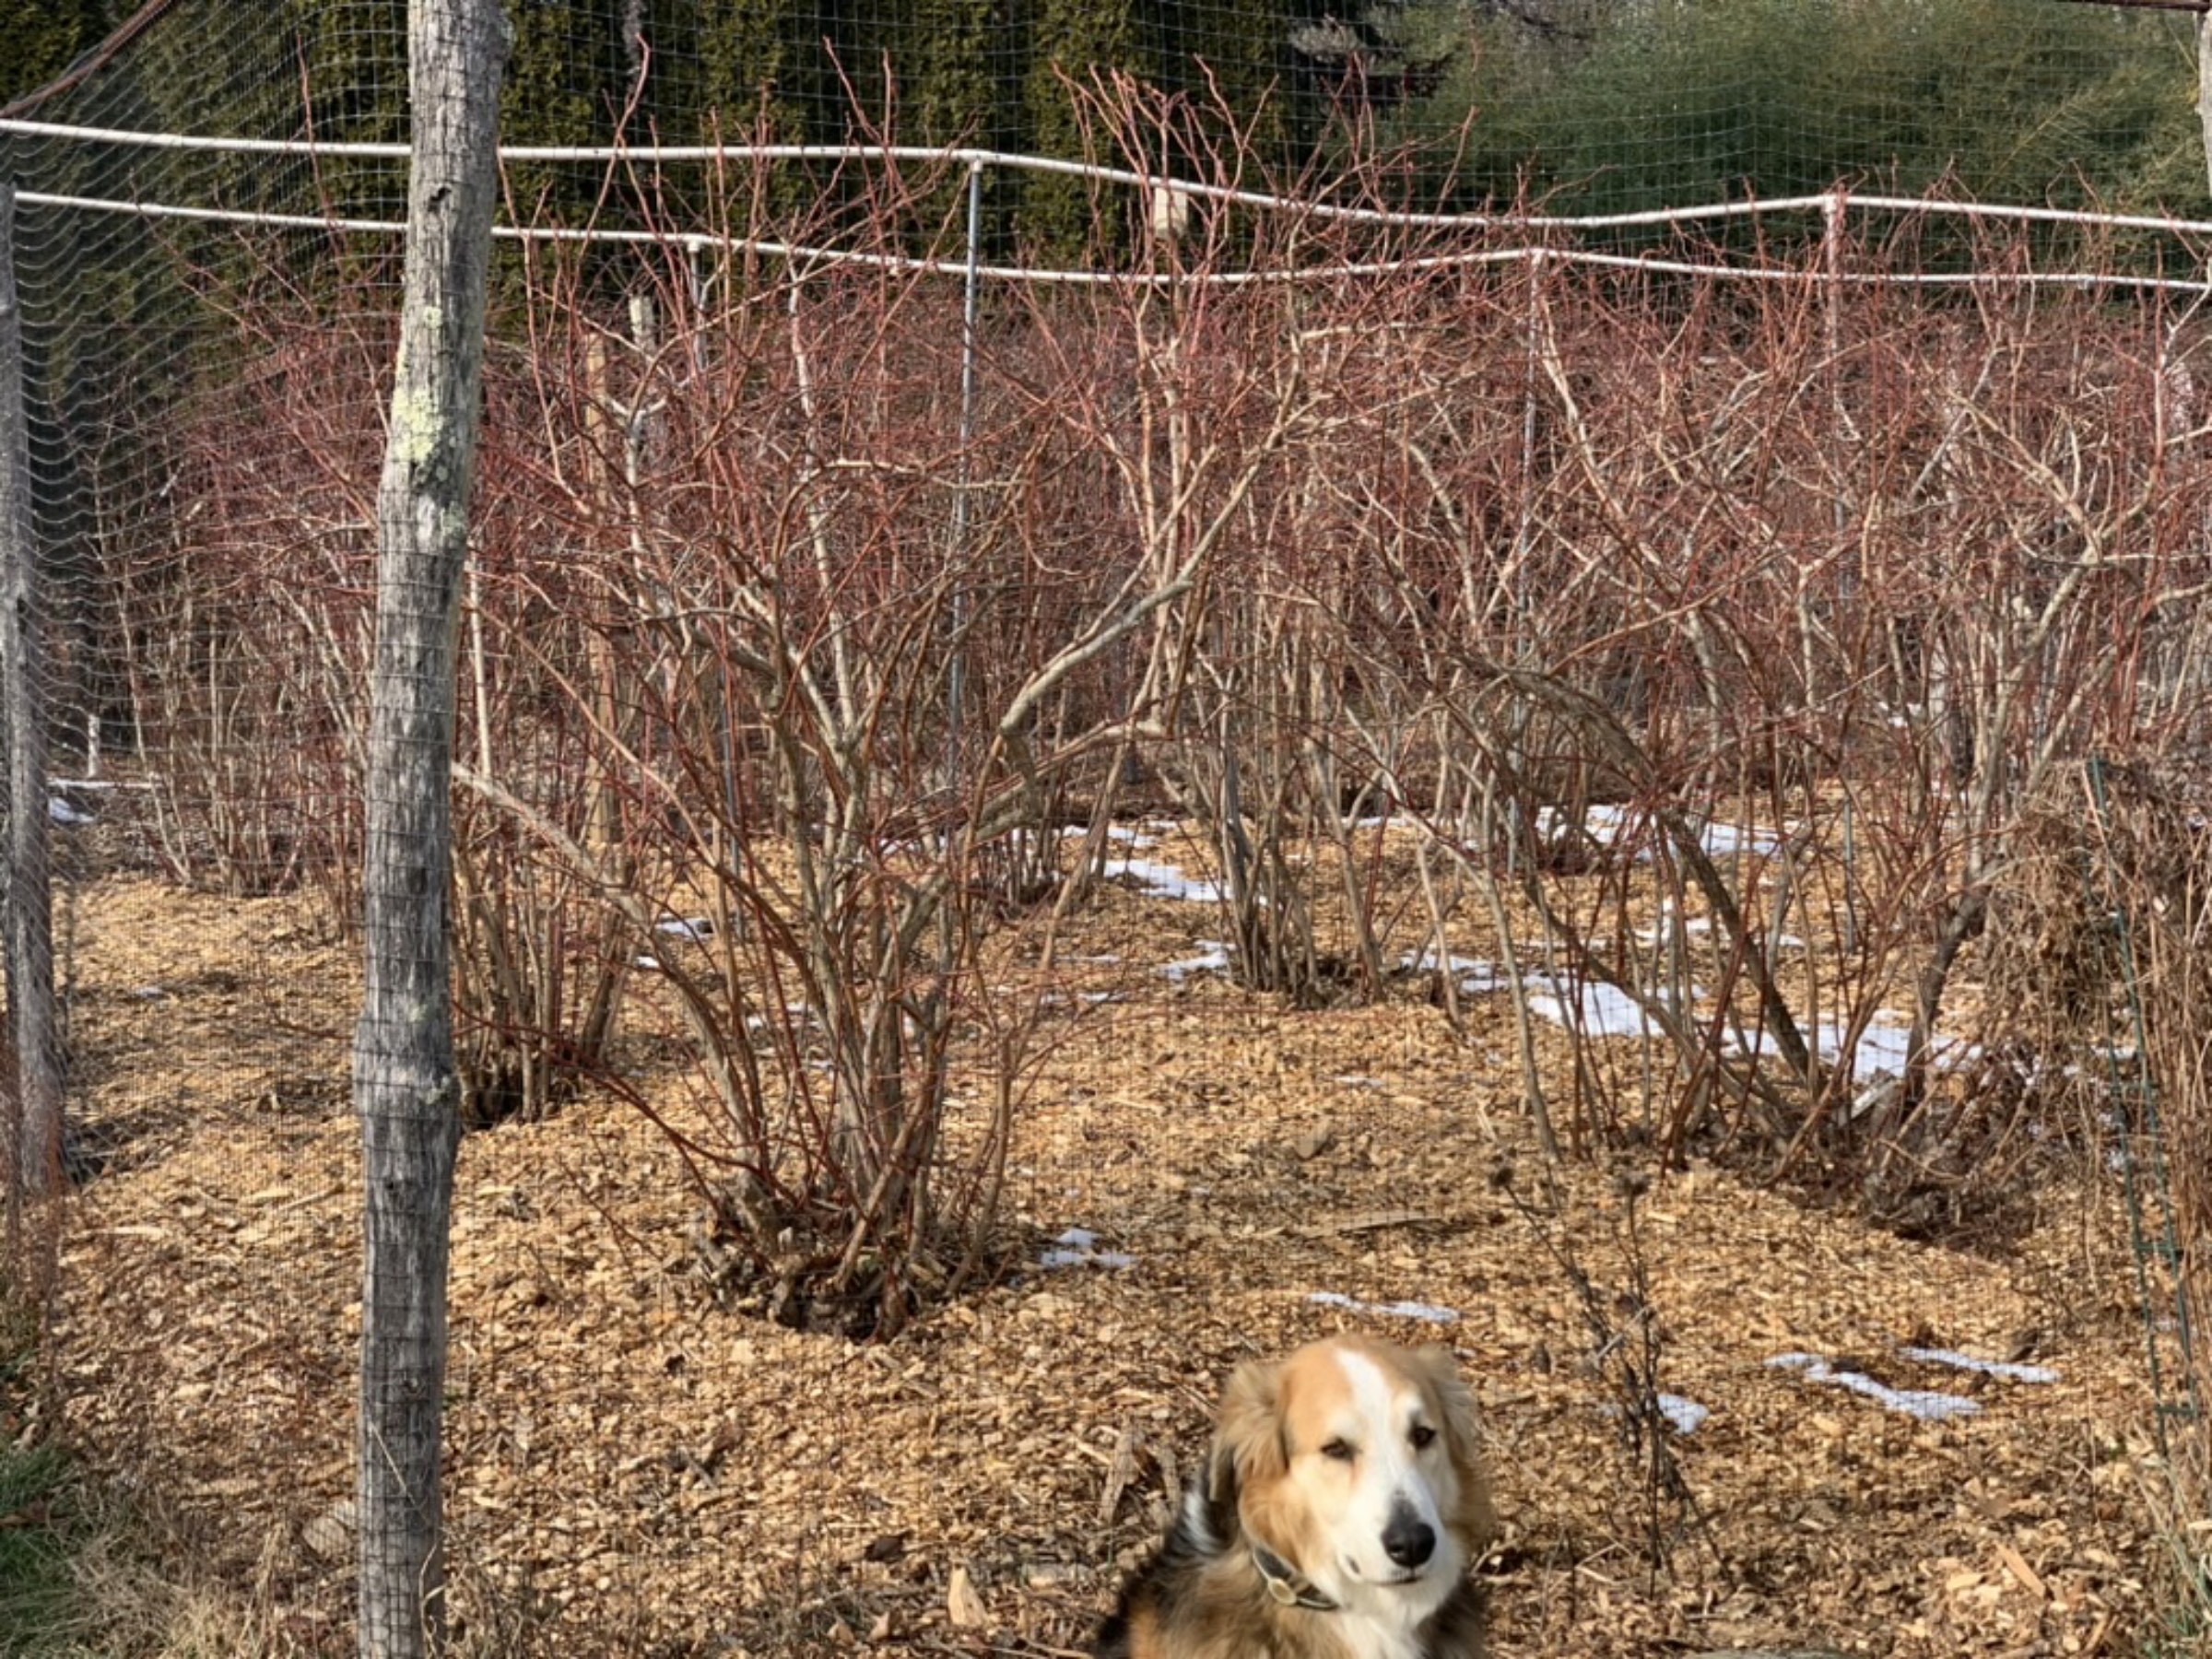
(406, 1083)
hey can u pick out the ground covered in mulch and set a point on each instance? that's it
(634, 1470)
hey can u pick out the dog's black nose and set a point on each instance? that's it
(1408, 1540)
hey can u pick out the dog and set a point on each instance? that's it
(1335, 1517)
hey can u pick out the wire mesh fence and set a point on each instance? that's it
(1195, 623)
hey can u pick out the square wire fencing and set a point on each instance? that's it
(1652, 530)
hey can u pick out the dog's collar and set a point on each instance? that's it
(1286, 1584)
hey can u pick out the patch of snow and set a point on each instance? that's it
(1397, 1310)
(1424, 960)
(651, 964)
(1485, 978)
(1078, 1247)
(61, 812)
(2008, 1370)
(1721, 840)
(1882, 1048)
(1212, 960)
(1930, 1405)
(695, 928)
(1165, 881)
(1477, 978)
(1114, 832)
(1605, 824)
(1682, 1414)
(1601, 1010)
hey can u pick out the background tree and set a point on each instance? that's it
(1617, 109)
(39, 38)
(1069, 41)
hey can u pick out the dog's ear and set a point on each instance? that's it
(1463, 1438)
(1454, 1398)
(1248, 1438)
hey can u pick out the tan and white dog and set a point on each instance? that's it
(1335, 1518)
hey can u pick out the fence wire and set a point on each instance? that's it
(1594, 533)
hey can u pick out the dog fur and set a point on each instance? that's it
(1336, 1517)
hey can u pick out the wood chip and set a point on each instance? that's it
(2016, 1564)
(962, 1605)
(1118, 1473)
(1372, 1221)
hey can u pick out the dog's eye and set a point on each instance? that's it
(1341, 1450)
(1423, 1437)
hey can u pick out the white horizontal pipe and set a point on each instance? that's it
(693, 153)
(958, 267)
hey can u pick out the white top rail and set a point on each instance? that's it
(676, 154)
(694, 242)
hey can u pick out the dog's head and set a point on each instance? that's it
(1356, 1463)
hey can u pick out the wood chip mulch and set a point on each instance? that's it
(633, 1471)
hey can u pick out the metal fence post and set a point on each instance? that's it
(33, 1150)
(956, 673)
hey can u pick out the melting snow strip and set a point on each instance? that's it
(1605, 1011)
(1601, 1009)
(1397, 1310)
(1214, 960)
(1078, 1247)
(1682, 1414)
(1930, 1405)
(695, 928)
(1114, 832)
(1164, 881)
(2006, 1369)
(1881, 1048)
(1477, 978)
(1425, 961)
(1605, 825)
